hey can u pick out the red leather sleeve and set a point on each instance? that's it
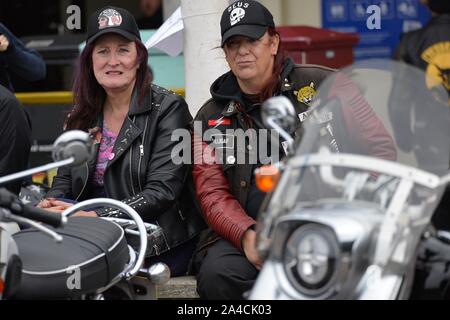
(221, 209)
(362, 123)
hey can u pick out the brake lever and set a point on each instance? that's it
(21, 220)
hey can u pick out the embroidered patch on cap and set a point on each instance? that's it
(109, 18)
(237, 11)
(236, 15)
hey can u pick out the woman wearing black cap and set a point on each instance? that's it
(131, 121)
(227, 262)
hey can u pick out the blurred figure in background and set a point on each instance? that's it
(18, 59)
(15, 123)
(152, 14)
(429, 49)
(15, 133)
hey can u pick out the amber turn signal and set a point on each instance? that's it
(2, 286)
(267, 177)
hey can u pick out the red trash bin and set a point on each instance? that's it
(309, 45)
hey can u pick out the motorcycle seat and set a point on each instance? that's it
(93, 252)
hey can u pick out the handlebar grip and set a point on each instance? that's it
(50, 218)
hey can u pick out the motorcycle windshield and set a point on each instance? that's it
(369, 126)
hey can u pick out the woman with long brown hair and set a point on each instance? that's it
(131, 121)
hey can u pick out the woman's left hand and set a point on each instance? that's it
(59, 203)
(85, 214)
(60, 206)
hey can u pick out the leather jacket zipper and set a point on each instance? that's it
(136, 201)
(85, 182)
(141, 150)
(131, 165)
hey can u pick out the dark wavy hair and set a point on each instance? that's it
(273, 86)
(88, 94)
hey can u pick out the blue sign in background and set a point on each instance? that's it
(397, 17)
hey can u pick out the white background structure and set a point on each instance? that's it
(203, 57)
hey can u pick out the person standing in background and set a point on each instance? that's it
(152, 14)
(18, 59)
(15, 133)
(429, 47)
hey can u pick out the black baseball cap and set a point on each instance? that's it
(245, 18)
(112, 20)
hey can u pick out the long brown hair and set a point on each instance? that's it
(88, 94)
(273, 86)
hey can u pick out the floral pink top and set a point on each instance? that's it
(105, 154)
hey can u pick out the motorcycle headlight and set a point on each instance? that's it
(310, 258)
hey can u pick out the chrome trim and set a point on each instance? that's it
(29, 172)
(359, 162)
(131, 213)
(388, 231)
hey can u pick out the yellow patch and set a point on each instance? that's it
(306, 94)
(438, 70)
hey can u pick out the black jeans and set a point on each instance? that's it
(177, 259)
(224, 273)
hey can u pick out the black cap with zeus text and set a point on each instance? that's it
(245, 18)
(112, 20)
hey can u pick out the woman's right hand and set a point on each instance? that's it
(249, 247)
(45, 203)
(53, 205)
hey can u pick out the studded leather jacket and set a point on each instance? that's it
(142, 173)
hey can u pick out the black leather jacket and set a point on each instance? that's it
(142, 173)
(15, 133)
(414, 43)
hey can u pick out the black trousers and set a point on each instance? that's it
(441, 216)
(224, 273)
(15, 138)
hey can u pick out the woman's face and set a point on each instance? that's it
(251, 59)
(114, 60)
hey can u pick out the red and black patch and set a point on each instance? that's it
(219, 122)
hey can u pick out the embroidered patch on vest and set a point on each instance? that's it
(306, 94)
(222, 121)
